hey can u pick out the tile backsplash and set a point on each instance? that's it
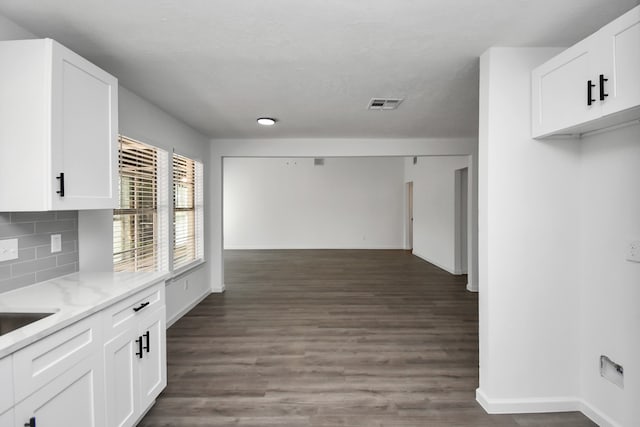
(35, 262)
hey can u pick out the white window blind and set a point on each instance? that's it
(141, 221)
(187, 211)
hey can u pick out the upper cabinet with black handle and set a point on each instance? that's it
(59, 120)
(592, 85)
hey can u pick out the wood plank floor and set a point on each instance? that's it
(331, 338)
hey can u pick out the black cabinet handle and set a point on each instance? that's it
(60, 178)
(141, 306)
(589, 96)
(139, 352)
(146, 347)
(31, 423)
(602, 94)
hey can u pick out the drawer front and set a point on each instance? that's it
(127, 313)
(6, 390)
(43, 361)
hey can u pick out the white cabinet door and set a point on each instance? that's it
(83, 132)
(560, 90)
(59, 115)
(6, 419)
(620, 63)
(122, 380)
(6, 390)
(153, 365)
(73, 399)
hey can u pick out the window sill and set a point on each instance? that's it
(187, 269)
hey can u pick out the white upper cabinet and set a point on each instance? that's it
(620, 46)
(59, 127)
(592, 85)
(560, 90)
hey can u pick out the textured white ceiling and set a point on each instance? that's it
(313, 64)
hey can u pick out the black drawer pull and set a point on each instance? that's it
(139, 352)
(603, 95)
(31, 423)
(60, 177)
(146, 347)
(589, 96)
(141, 306)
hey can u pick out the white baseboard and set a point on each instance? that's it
(597, 416)
(526, 406)
(471, 288)
(447, 269)
(218, 289)
(539, 405)
(188, 308)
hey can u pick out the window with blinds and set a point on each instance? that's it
(187, 211)
(139, 224)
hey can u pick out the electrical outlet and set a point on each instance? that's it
(56, 243)
(611, 371)
(8, 249)
(633, 251)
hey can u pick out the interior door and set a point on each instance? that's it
(409, 216)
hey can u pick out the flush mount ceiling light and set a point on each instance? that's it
(266, 121)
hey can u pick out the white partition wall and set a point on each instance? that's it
(304, 203)
(556, 289)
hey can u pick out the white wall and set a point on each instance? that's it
(555, 289)
(221, 149)
(610, 285)
(288, 203)
(528, 242)
(434, 216)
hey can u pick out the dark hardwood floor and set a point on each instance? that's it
(331, 338)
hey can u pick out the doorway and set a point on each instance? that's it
(409, 218)
(461, 220)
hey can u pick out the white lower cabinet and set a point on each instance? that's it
(122, 381)
(153, 364)
(136, 369)
(103, 371)
(74, 398)
(135, 355)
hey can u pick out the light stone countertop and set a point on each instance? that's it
(72, 298)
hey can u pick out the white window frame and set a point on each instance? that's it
(161, 212)
(197, 240)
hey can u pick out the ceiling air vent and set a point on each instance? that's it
(318, 162)
(384, 103)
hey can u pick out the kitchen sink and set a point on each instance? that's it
(12, 321)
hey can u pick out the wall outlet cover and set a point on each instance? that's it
(612, 371)
(56, 243)
(8, 249)
(633, 251)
